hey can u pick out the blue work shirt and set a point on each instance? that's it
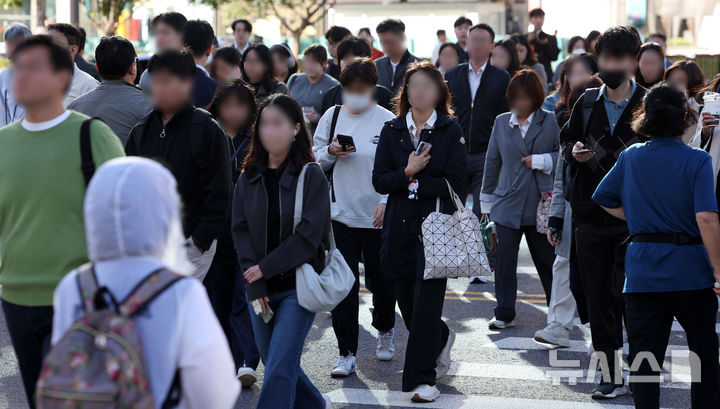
(614, 110)
(661, 185)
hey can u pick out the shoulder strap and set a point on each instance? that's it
(197, 140)
(88, 286)
(333, 123)
(87, 164)
(152, 286)
(587, 106)
(297, 213)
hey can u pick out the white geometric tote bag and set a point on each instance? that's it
(453, 243)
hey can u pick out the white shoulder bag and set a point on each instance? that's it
(453, 243)
(321, 292)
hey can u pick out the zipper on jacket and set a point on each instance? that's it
(469, 138)
(267, 210)
(162, 133)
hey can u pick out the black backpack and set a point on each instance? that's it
(87, 163)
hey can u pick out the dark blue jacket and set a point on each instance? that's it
(204, 89)
(477, 120)
(401, 249)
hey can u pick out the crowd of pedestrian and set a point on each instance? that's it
(246, 164)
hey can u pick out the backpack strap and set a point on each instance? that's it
(88, 287)
(87, 164)
(333, 123)
(197, 140)
(588, 103)
(152, 286)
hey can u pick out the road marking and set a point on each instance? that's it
(486, 296)
(454, 401)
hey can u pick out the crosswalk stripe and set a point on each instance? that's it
(354, 396)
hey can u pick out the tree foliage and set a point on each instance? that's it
(104, 14)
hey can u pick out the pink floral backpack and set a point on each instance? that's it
(99, 361)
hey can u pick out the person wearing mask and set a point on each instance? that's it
(597, 132)
(441, 39)
(505, 57)
(660, 39)
(167, 29)
(357, 211)
(590, 40)
(234, 108)
(193, 147)
(284, 62)
(391, 68)
(673, 259)
(462, 29)
(450, 54)
(527, 58)
(257, 69)
(651, 65)
(578, 70)
(312, 85)
(347, 52)
(225, 66)
(242, 30)
(270, 248)
(69, 37)
(334, 36)
(11, 111)
(576, 46)
(117, 101)
(366, 35)
(179, 334)
(519, 170)
(544, 45)
(687, 76)
(423, 114)
(80, 57)
(198, 38)
(42, 180)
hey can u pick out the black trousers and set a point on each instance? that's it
(30, 329)
(576, 284)
(543, 256)
(649, 318)
(357, 244)
(601, 258)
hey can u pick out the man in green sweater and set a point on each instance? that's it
(42, 186)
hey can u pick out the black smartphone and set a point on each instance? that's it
(346, 142)
(422, 147)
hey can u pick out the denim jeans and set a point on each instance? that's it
(280, 341)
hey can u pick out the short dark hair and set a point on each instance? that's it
(177, 63)
(483, 26)
(592, 36)
(240, 90)
(402, 101)
(317, 52)
(246, 24)
(357, 46)
(172, 18)
(661, 36)
(664, 112)
(362, 69)
(392, 26)
(114, 57)
(229, 55)
(696, 77)
(59, 56)
(336, 34)
(573, 40)
(618, 41)
(537, 12)
(198, 37)
(71, 33)
(440, 33)
(454, 46)
(461, 21)
(528, 81)
(83, 38)
(365, 30)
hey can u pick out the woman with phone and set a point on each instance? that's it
(519, 171)
(270, 248)
(413, 181)
(345, 143)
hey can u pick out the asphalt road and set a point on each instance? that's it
(492, 369)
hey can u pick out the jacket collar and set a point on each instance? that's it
(400, 122)
(119, 83)
(536, 124)
(188, 110)
(288, 174)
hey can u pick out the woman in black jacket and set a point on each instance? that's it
(269, 248)
(413, 183)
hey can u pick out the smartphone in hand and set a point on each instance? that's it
(346, 143)
(422, 147)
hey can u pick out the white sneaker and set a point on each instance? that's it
(478, 280)
(555, 334)
(328, 402)
(425, 393)
(495, 323)
(385, 350)
(443, 362)
(345, 366)
(247, 376)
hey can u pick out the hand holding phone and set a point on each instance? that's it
(581, 153)
(422, 147)
(346, 142)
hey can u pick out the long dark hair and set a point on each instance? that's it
(589, 60)
(229, 55)
(263, 54)
(649, 47)
(291, 61)
(402, 103)
(530, 58)
(242, 92)
(301, 148)
(509, 46)
(696, 77)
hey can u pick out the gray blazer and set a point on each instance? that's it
(561, 209)
(507, 181)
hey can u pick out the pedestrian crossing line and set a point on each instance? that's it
(460, 296)
(483, 293)
(386, 398)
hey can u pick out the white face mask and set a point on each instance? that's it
(578, 51)
(356, 102)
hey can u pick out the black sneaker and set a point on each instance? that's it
(608, 390)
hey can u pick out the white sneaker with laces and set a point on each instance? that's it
(425, 393)
(247, 376)
(345, 366)
(443, 362)
(495, 323)
(478, 280)
(555, 334)
(385, 350)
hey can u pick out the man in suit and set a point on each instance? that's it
(392, 67)
(242, 30)
(462, 28)
(198, 38)
(544, 44)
